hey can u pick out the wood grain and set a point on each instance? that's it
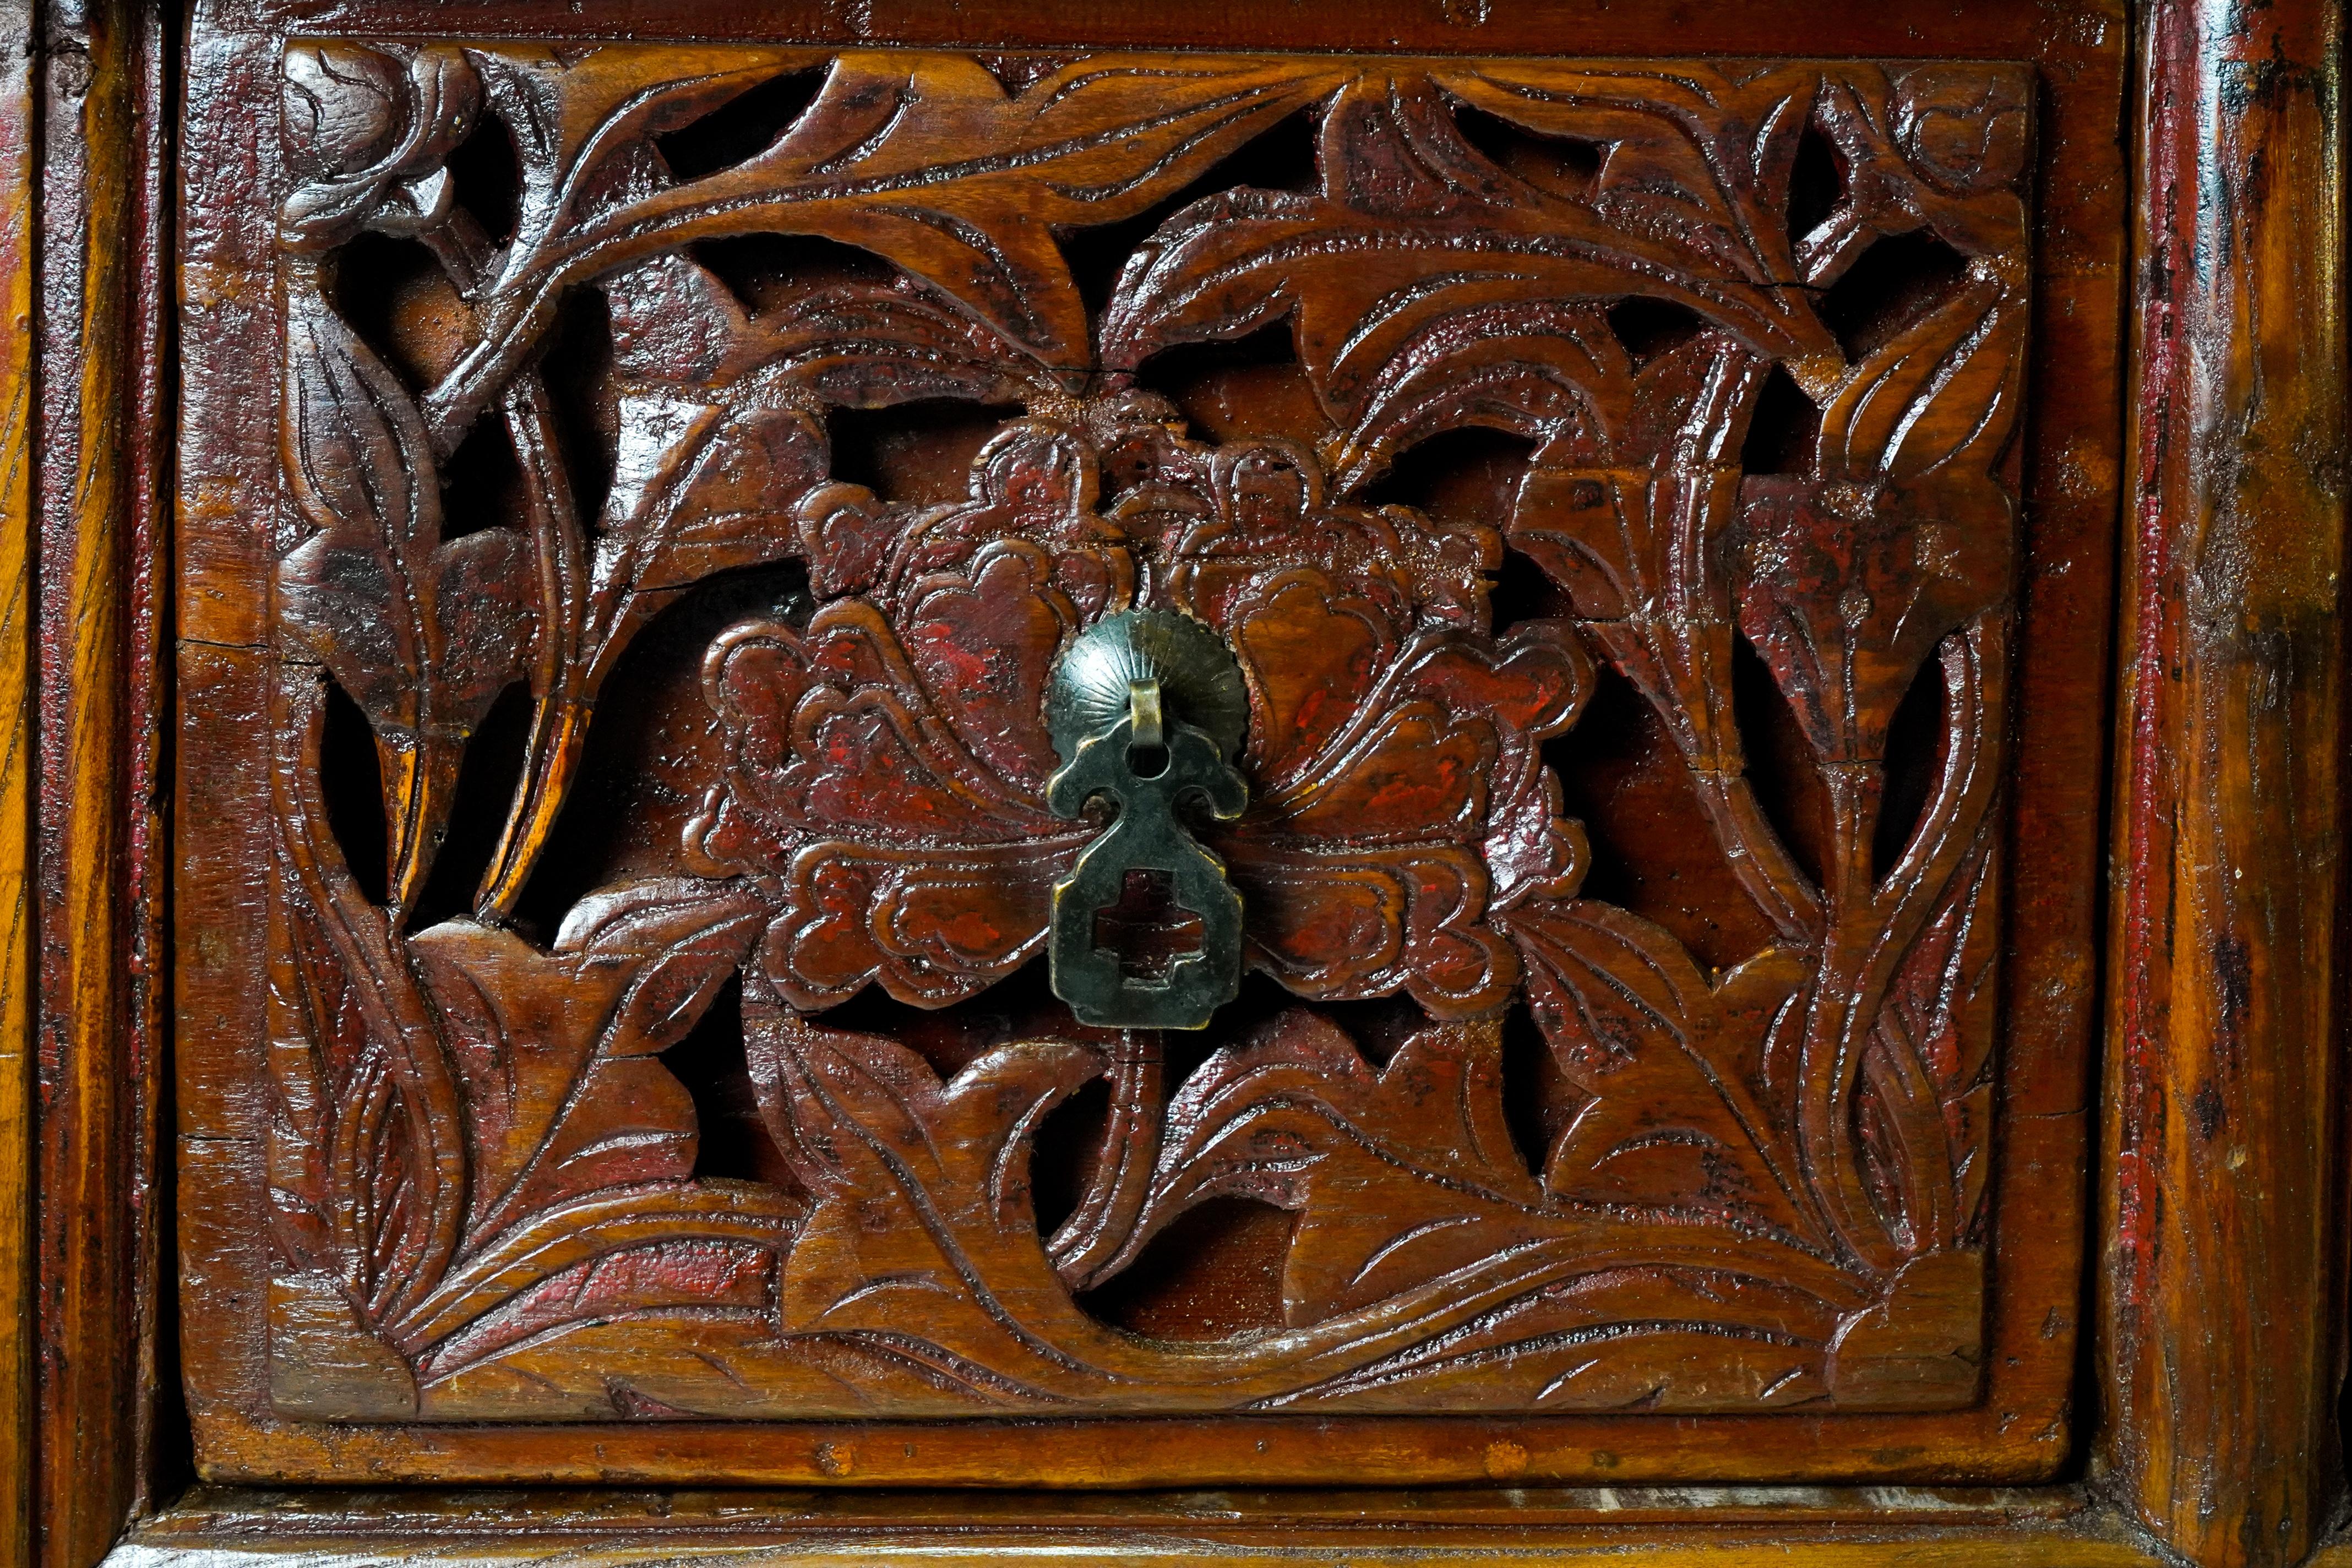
(1916, 1344)
(879, 814)
(18, 992)
(1647, 1548)
(97, 320)
(2223, 1305)
(1686, 1526)
(2221, 1330)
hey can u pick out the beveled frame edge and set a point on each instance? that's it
(17, 1252)
(2171, 1471)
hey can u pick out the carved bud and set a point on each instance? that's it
(1964, 129)
(369, 135)
(1847, 589)
(344, 107)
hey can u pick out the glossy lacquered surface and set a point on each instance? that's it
(1611, 477)
(604, 873)
(2225, 1084)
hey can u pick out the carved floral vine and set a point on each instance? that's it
(1772, 1188)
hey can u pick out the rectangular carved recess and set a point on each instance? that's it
(690, 461)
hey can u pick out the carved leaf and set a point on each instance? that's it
(919, 1279)
(1399, 1176)
(923, 1241)
(567, 1238)
(1672, 1123)
(868, 346)
(1542, 369)
(1701, 155)
(556, 1050)
(1940, 397)
(580, 117)
(934, 168)
(851, 345)
(674, 1279)
(422, 634)
(697, 490)
(1399, 276)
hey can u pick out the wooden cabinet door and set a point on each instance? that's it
(1040, 767)
(1653, 506)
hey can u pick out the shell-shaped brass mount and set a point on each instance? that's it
(1200, 683)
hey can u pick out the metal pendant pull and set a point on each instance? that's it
(1147, 708)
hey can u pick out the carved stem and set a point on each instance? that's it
(1753, 847)
(1873, 925)
(390, 1001)
(559, 713)
(559, 720)
(1092, 1239)
(1694, 641)
(1855, 968)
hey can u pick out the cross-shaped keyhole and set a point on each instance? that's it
(1147, 931)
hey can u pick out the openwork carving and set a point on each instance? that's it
(1756, 336)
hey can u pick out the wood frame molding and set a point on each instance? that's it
(1670, 1528)
(17, 1267)
(2214, 1437)
(2222, 1328)
(86, 390)
(2018, 1432)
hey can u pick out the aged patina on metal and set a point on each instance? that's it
(1147, 708)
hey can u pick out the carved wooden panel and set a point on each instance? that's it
(690, 463)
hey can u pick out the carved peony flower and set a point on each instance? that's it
(886, 763)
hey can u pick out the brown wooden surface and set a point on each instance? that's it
(477, 1171)
(2188, 1432)
(17, 622)
(2013, 1423)
(1529, 1525)
(97, 428)
(2222, 1331)
(1650, 1548)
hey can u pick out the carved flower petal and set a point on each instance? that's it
(983, 644)
(1310, 651)
(1407, 917)
(831, 731)
(1414, 777)
(931, 926)
(1456, 725)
